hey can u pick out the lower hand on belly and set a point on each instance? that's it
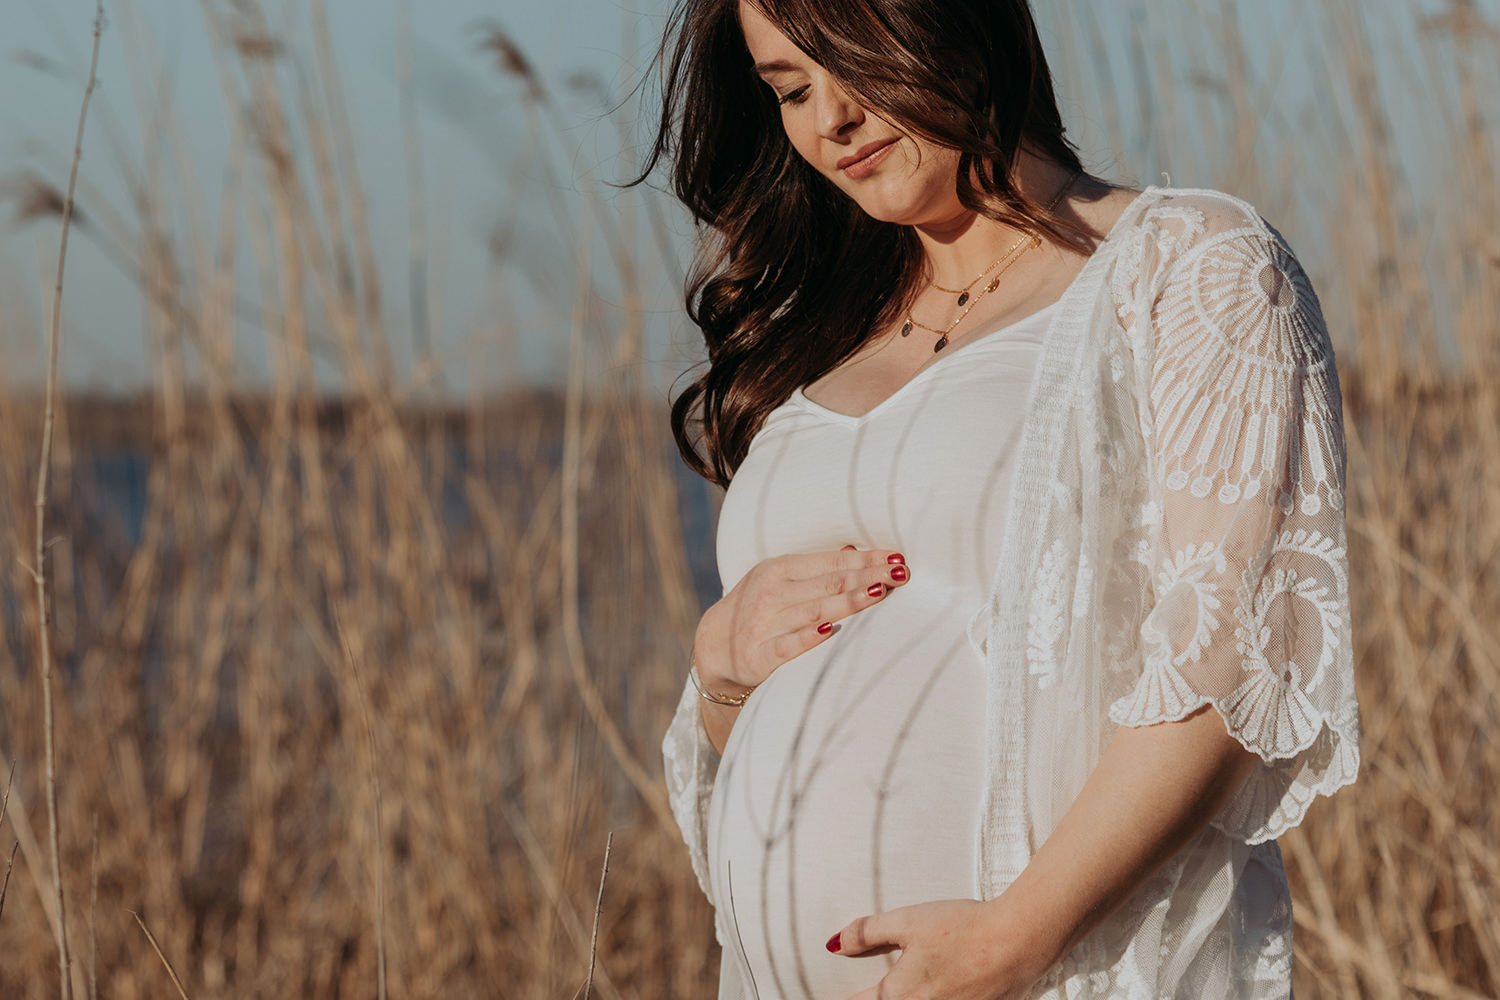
(957, 949)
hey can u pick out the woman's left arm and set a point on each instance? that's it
(1155, 787)
(1248, 614)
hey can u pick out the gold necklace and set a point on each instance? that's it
(1009, 257)
(963, 293)
(942, 341)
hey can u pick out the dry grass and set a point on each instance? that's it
(503, 585)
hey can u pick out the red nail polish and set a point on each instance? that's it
(834, 944)
(898, 573)
(876, 590)
(848, 547)
(895, 558)
(825, 628)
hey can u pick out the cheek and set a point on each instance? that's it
(925, 180)
(803, 140)
(934, 166)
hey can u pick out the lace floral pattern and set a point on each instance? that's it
(1178, 524)
(1251, 578)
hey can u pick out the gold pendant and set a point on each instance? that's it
(942, 343)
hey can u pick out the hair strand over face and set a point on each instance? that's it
(792, 277)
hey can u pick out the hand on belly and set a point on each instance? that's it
(851, 785)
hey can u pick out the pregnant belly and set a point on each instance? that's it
(851, 784)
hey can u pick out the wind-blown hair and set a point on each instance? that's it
(792, 277)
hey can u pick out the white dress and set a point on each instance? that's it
(853, 778)
(1174, 538)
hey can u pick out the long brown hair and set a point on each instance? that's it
(792, 277)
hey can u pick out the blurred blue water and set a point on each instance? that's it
(121, 480)
(115, 504)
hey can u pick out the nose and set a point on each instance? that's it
(838, 114)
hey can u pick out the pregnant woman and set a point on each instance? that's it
(1034, 633)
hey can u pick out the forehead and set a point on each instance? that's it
(764, 40)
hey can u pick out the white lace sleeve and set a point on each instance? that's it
(1247, 550)
(691, 763)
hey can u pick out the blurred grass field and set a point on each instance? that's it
(501, 585)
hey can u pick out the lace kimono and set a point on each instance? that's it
(1175, 539)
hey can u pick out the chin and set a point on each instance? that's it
(903, 201)
(899, 211)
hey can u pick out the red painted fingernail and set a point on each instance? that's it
(848, 547)
(895, 558)
(825, 628)
(876, 590)
(834, 944)
(898, 573)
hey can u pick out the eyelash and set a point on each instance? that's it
(793, 96)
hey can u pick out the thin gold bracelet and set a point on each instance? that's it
(737, 701)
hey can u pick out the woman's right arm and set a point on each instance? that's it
(779, 610)
(770, 616)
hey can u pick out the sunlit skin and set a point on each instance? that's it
(912, 186)
(1155, 787)
(915, 184)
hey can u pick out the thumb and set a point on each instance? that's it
(871, 935)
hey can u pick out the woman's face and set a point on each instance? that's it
(892, 176)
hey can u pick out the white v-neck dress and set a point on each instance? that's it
(853, 779)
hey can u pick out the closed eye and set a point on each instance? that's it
(793, 96)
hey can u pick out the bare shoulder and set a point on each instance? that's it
(1207, 213)
(1098, 205)
(1194, 214)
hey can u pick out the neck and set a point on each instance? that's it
(961, 246)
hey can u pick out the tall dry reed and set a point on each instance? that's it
(358, 685)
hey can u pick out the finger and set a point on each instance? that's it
(790, 645)
(853, 595)
(806, 566)
(836, 596)
(843, 584)
(874, 934)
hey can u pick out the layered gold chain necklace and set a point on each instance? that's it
(967, 298)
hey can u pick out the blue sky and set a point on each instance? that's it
(480, 163)
(43, 61)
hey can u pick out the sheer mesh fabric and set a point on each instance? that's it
(1248, 557)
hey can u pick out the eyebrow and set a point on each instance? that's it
(774, 66)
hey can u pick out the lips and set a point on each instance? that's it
(864, 159)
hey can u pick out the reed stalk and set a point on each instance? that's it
(510, 568)
(38, 567)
